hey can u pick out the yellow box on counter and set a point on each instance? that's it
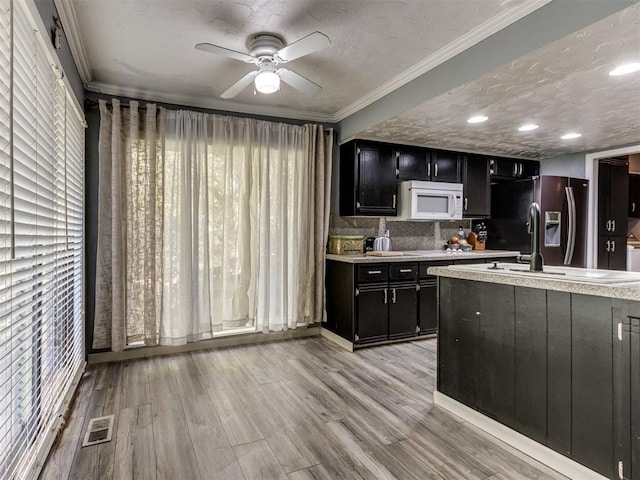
(346, 244)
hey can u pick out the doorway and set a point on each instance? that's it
(591, 173)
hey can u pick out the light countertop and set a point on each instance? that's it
(422, 256)
(602, 283)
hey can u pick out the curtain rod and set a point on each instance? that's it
(89, 103)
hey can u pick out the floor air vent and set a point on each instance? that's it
(99, 430)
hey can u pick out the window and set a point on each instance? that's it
(41, 242)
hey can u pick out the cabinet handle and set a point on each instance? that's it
(613, 225)
(608, 225)
(393, 295)
(373, 272)
(515, 169)
(613, 246)
(385, 295)
(608, 246)
(394, 201)
(428, 168)
(435, 169)
(406, 270)
(520, 171)
(466, 204)
(633, 206)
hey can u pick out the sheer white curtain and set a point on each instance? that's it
(129, 244)
(243, 227)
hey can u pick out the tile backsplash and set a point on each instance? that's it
(404, 235)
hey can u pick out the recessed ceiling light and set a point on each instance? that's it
(624, 69)
(527, 127)
(478, 119)
(569, 136)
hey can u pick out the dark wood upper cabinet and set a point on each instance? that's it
(613, 208)
(444, 166)
(368, 184)
(412, 163)
(509, 168)
(476, 182)
(634, 195)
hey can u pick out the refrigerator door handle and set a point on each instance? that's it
(571, 234)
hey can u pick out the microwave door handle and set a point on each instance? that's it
(452, 204)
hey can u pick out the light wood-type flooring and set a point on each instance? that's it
(298, 409)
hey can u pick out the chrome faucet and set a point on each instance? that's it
(535, 262)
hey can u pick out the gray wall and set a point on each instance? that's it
(47, 11)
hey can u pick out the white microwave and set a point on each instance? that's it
(421, 200)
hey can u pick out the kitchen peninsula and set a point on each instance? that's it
(547, 361)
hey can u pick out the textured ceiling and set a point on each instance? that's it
(562, 87)
(145, 49)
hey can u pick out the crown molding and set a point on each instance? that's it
(209, 102)
(69, 20)
(449, 51)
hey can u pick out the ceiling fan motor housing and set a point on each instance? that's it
(264, 45)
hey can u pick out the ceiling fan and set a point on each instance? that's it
(267, 51)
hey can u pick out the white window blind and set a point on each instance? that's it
(41, 243)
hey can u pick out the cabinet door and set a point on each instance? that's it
(531, 363)
(376, 180)
(503, 167)
(591, 383)
(445, 166)
(634, 196)
(559, 371)
(412, 163)
(476, 182)
(403, 310)
(428, 308)
(459, 372)
(372, 314)
(618, 253)
(619, 198)
(497, 362)
(529, 168)
(626, 386)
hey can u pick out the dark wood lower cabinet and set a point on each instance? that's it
(530, 412)
(372, 324)
(591, 380)
(561, 368)
(403, 310)
(559, 372)
(626, 388)
(372, 302)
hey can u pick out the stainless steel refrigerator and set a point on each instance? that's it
(563, 205)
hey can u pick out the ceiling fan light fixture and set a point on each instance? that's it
(625, 69)
(267, 82)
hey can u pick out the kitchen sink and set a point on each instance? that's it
(558, 273)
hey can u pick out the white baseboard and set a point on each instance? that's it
(218, 342)
(545, 455)
(337, 339)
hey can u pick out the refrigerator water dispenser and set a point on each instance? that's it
(552, 229)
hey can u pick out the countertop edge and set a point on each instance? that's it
(624, 291)
(422, 258)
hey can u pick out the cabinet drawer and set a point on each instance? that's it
(373, 273)
(436, 263)
(403, 271)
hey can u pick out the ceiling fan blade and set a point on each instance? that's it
(208, 47)
(311, 43)
(240, 85)
(298, 82)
